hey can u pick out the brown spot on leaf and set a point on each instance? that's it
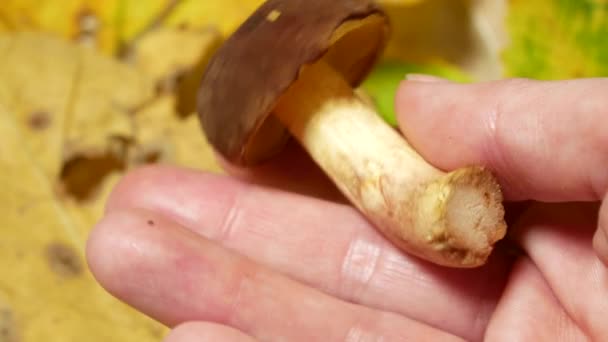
(82, 174)
(64, 260)
(169, 84)
(151, 154)
(88, 21)
(87, 27)
(22, 209)
(151, 157)
(8, 326)
(39, 120)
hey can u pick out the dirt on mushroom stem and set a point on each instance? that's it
(452, 219)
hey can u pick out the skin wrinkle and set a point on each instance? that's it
(586, 318)
(394, 266)
(236, 305)
(601, 181)
(495, 143)
(357, 334)
(359, 266)
(570, 330)
(599, 178)
(230, 221)
(562, 322)
(375, 329)
(590, 175)
(204, 332)
(597, 272)
(587, 107)
(388, 265)
(502, 138)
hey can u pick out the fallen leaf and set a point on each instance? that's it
(162, 138)
(37, 81)
(73, 122)
(226, 15)
(8, 324)
(73, 19)
(167, 128)
(44, 279)
(177, 70)
(112, 26)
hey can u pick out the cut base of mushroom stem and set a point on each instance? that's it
(452, 219)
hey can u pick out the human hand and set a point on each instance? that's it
(244, 262)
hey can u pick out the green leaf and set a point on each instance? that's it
(382, 83)
(557, 39)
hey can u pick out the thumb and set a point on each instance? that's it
(545, 141)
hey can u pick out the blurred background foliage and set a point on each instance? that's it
(90, 89)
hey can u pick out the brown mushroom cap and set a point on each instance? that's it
(258, 63)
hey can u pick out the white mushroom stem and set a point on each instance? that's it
(451, 219)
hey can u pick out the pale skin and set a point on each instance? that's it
(227, 258)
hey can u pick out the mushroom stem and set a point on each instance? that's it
(451, 219)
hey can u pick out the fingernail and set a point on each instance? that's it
(425, 78)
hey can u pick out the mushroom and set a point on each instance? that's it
(291, 70)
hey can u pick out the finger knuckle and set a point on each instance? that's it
(359, 266)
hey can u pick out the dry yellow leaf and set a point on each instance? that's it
(175, 59)
(111, 24)
(41, 14)
(49, 293)
(166, 51)
(104, 24)
(176, 73)
(37, 89)
(226, 15)
(73, 122)
(422, 27)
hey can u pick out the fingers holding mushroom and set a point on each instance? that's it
(290, 71)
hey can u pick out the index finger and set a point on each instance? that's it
(545, 141)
